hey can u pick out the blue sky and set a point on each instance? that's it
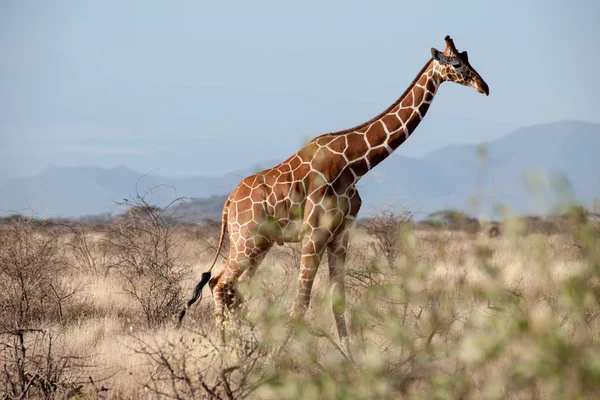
(540, 58)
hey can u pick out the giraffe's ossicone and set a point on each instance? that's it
(311, 197)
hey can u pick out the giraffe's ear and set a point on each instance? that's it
(439, 56)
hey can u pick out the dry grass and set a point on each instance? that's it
(456, 315)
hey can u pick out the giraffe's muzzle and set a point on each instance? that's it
(482, 87)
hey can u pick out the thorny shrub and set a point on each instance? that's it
(385, 226)
(190, 368)
(33, 281)
(35, 296)
(31, 369)
(146, 254)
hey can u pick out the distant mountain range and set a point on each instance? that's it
(529, 170)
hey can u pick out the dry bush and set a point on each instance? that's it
(208, 233)
(33, 282)
(89, 251)
(370, 262)
(200, 368)
(32, 369)
(453, 220)
(289, 257)
(385, 226)
(146, 254)
(35, 296)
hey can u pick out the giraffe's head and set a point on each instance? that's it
(455, 67)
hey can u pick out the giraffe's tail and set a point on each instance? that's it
(206, 275)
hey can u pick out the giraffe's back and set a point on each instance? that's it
(269, 203)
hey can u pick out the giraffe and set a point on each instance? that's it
(312, 198)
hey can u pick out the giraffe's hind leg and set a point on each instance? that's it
(232, 299)
(225, 293)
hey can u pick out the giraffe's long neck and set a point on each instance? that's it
(374, 141)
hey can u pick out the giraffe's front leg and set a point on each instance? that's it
(313, 247)
(312, 251)
(336, 257)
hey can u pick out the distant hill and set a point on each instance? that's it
(560, 154)
(196, 210)
(543, 154)
(77, 191)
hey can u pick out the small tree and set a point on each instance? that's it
(454, 220)
(146, 254)
(385, 227)
(31, 287)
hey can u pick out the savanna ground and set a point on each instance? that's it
(435, 311)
